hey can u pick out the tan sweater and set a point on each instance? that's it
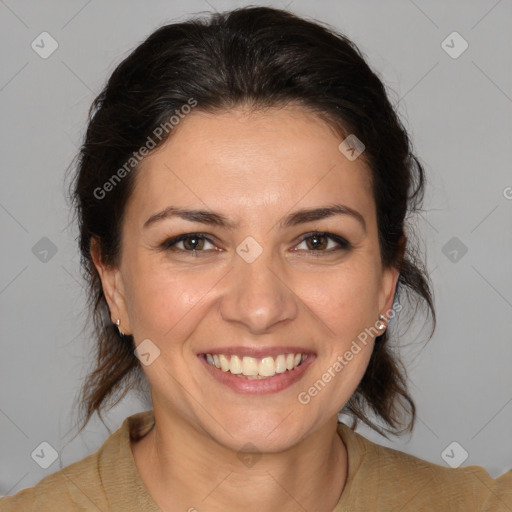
(380, 480)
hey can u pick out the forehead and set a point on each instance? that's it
(242, 161)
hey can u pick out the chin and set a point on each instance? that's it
(268, 433)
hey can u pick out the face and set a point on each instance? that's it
(284, 259)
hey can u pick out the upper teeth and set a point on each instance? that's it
(251, 366)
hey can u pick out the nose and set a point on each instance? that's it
(257, 297)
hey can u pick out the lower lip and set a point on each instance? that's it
(273, 384)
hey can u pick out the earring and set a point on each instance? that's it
(118, 328)
(381, 325)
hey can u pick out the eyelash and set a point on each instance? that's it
(171, 242)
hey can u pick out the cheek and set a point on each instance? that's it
(345, 298)
(162, 299)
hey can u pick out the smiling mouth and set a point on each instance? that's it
(256, 368)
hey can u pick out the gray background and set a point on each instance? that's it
(458, 111)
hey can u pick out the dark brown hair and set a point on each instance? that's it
(261, 57)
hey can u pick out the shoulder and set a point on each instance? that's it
(402, 479)
(91, 484)
(75, 487)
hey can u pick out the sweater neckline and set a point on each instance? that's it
(138, 425)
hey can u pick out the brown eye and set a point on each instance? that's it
(315, 242)
(190, 242)
(193, 243)
(324, 242)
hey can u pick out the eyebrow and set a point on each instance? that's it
(293, 219)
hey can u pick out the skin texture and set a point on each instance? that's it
(253, 167)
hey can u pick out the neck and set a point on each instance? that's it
(185, 469)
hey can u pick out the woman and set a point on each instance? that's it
(241, 195)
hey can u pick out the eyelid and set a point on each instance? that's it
(342, 243)
(169, 243)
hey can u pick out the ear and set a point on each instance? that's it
(388, 287)
(113, 287)
(389, 282)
